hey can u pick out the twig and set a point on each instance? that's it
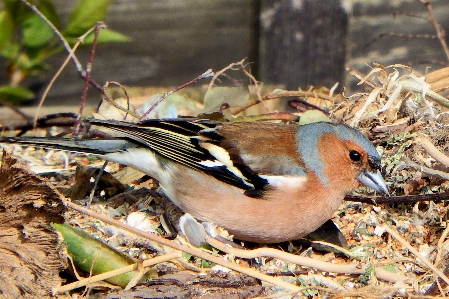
(282, 94)
(396, 235)
(425, 169)
(52, 81)
(232, 66)
(78, 66)
(304, 261)
(193, 251)
(98, 26)
(439, 30)
(397, 199)
(396, 34)
(292, 103)
(58, 34)
(15, 109)
(207, 74)
(109, 274)
(126, 95)
(97, 179)
(257, 86)
(432, 150)
(440, 245)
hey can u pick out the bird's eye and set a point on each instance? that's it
(355, 156)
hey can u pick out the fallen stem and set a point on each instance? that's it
(305, 261)
(191, 250)
(396, 235)
(396, 199)
(425, 169)
(277, 95)
(122, 270)
(432, 150)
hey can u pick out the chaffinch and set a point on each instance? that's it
(263, 182)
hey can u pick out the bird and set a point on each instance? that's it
(263, 182)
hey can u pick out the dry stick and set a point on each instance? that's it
(396, 235)
(97, 179)
(204, 75)
(98, 26)
(440, 31)
(432, 150)
(258, 87)
(58, 34)
(109, 274)
(193, 251)
(440, 245)
(75, 60)
(397, 199)
(53, 79)
(425, 169)
(282, 94)
(305, 261)
(124, 91)
(221, 72)
(15, 109)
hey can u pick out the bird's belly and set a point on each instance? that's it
(253, 219)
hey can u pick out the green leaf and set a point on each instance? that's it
(93, 255)
(7, 27)
(36, 32)
(106, 36)
(85, 15)
(15, 94)
(390, 268)
(16, 9)
(205, 264)
(10, 51)
(369, 273)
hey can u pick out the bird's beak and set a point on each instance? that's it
(373, 180)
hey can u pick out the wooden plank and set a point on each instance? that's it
(302, 42)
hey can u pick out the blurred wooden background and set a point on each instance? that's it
(296, 43)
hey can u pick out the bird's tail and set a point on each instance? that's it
(91, 146)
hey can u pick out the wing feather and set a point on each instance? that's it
(180, 141)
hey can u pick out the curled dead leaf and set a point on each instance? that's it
(31, 255)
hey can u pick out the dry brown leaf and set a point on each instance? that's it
(31, 255)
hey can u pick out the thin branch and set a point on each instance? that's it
(425, 169)
(432, 150)
(122, 270)
(15, 109)
(52, 81)
(398, 34)
(397, 199)
(191, 250)
(49, 120)
(98, 26)
(97, 179)
(396, 235)
(439, 30)
(78, 66)
(58, 34)
(305, 261)
(282, 94)
(127, 111)
(207, 74)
